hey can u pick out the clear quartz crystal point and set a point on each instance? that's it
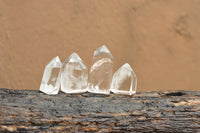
(124, 81)
(51, 78)
(100, 76)
(74, 75)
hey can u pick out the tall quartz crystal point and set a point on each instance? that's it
(51, 78)
(100, 76)
(74, 75)
(124, 81)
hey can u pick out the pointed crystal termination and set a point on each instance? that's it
(100, 76)
(51, 78)
(74, 75)
(124, 81)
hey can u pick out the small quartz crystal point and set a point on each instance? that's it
(51, 78)
(100, 76)
(124, 81)
(74, 75)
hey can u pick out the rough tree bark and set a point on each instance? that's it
(161, 111)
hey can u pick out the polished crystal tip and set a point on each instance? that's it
(103, 50)
(51, 78)
(74, 75)
(100, 76)
(124, 81)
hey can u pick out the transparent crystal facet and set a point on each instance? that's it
(124, 81)
(74, 75)
(100, 76)
(51, 78)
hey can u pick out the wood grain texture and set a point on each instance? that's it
(161, 111)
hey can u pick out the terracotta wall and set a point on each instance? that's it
(159, 38)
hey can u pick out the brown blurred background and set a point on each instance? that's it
(159, 38)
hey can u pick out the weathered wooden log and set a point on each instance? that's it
(161, 111)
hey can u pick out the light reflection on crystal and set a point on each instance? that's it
(74, 75)
(124, 81)
(51, 78)
(100, 76)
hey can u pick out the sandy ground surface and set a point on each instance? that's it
(159, 38)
